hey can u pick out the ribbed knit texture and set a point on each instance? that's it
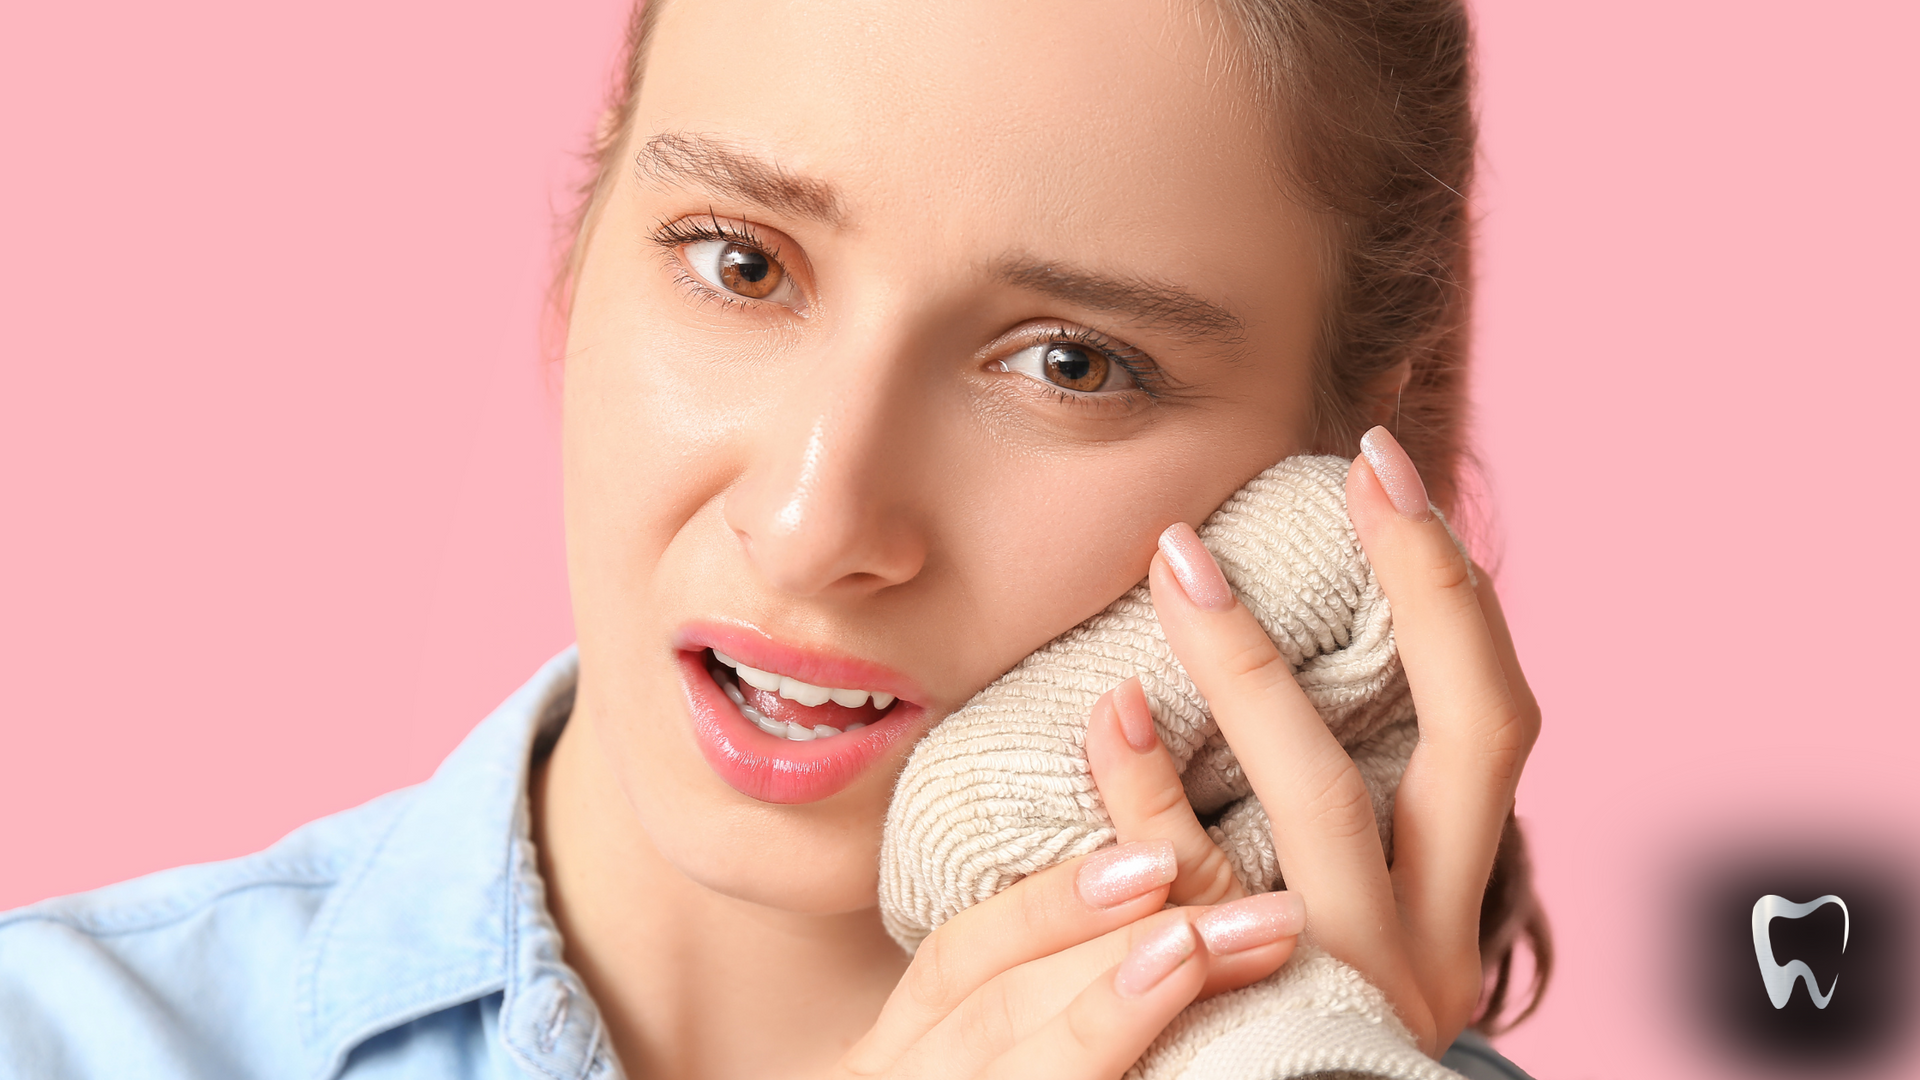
(1312, 1017)
(1002, 788)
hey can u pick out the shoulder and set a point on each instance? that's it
(186, 972)
(388, 940)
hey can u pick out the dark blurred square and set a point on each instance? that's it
(1869, 1012)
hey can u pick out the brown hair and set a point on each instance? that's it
(1378, 135)
(1377, 106)
(1375, 99)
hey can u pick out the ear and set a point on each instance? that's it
(1382, 396)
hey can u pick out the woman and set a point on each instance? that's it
(902, 338)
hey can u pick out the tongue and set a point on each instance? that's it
(774, 707)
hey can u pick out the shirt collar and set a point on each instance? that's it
(448, 907)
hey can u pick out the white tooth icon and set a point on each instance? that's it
(1778, 977)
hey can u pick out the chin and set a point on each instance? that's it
(812, 860)
(817, 858)
(776, 793)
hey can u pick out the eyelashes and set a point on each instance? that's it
(680, 237)
(1142, 376)
(692, 241)
(693, 230)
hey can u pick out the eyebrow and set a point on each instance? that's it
(1169, 307)
(723, 167)
(703, 161)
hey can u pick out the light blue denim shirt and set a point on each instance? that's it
(408, 937)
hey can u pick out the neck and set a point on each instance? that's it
(690, 982)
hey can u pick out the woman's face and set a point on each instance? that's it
(904, 330)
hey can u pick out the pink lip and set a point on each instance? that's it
(755, 649)
(772, 769)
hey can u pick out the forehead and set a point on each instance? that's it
(1116, 119)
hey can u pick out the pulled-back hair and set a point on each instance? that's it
(1373, 114)
(1372, 111)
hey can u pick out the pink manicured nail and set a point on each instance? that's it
(1252, 921)
(1193, 564)
(1398, 477)
(1154, 958)
(1136, 720)
(1119, 874)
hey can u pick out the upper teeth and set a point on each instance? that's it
(805, 693)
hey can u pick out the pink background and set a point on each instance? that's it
(279, 478)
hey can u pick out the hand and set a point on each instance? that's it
(1412, 929)
(1070, 973)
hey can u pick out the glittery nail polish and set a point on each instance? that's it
(1251, 921)
(1193, 565)
(1118, 874)
(1154, 958)
(1398, 478)
(1129, 704)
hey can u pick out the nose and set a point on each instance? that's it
(825, 503)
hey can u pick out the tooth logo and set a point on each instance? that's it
(1780, 978)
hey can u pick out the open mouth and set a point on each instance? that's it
(787, 708)
(784, 724)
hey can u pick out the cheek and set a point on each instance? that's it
(650, 425)
(645, 448)
(1056, 542)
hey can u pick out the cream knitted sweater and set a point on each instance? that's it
(1001, 788)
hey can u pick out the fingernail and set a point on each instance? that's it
(1398, 477)
(1252, 921)
(1154, 958)
(1119, 874)
(1136, 719)
(1193, 564)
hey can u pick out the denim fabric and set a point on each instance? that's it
(1474, 1058)
(408, 937)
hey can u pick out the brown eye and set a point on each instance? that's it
(1075, 367)
(740, 268)
(1081, 367)
(749, 272)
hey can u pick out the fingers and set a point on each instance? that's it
(1247, 940)
(1453, 663)
(1041, 915)
(1496, 618)
(1477, 723)
(1145, 799)
(1324, 832)
(1244, 941)
(1109, 1024)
